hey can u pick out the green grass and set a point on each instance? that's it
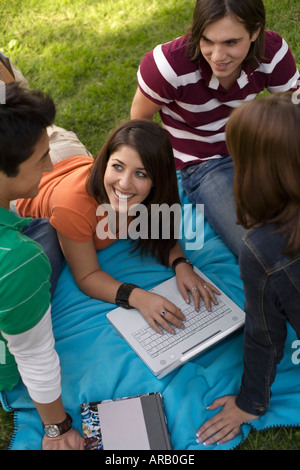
(85, 54)
(273, 439)
(6, 428)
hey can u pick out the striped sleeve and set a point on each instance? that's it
(24, 287)
(156, 70)
(281, 71)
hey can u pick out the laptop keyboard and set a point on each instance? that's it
(155, 343)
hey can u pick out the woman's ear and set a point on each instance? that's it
(256, 33)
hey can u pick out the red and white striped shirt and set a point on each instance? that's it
(195, 107)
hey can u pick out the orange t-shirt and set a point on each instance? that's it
(64, 200)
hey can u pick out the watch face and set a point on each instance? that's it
(51, 430)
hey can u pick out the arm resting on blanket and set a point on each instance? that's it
(39, 367)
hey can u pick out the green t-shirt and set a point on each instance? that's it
(24, 288)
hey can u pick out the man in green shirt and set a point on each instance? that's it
(26, 337)
(24, 287)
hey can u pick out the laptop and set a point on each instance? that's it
(162, 353)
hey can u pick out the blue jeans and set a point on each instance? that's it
(211, 183)
(272, 292)
(42, 232)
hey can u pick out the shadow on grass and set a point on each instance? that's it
(88, 62)
(89, 72)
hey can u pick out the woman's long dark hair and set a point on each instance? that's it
(153, 145)
(263, 137)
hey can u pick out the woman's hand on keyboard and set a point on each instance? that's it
(159, 312)
(189, 281)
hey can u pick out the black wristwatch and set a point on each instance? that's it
(55, 430)
(179, 260)
(123, 293)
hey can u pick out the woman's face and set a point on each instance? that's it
(225, 45)
(125, 180)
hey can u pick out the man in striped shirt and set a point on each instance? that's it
(26, 337)
(195, 81)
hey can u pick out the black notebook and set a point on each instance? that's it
(131, 423)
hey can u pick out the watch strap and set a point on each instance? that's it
(60, 428)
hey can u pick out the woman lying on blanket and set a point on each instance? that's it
(135, 166)
(264, 140)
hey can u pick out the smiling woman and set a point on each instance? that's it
(129, 170)
(126, 179)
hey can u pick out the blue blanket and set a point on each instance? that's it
(97, 364)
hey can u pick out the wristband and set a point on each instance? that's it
(179, 260)
(123, 293)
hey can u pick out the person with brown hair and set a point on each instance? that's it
(26, 336)
(263, 137)
(91, 203)
(196, 80)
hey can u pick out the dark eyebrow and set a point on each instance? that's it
(120, 161)
(227, 40)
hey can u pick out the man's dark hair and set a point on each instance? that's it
(250, 13)
(23, 117)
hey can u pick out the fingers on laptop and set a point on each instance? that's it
(206, 291)
(167, 318)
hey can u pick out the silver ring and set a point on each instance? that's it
(163, 313)
(194, 289)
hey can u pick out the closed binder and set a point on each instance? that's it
(130, 423)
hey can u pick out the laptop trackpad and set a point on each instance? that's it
(201, 342)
